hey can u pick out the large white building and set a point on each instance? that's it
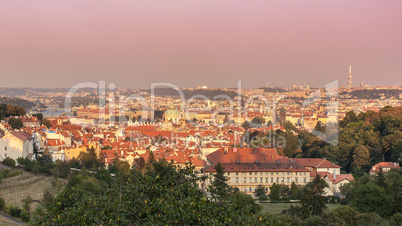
(16, 144)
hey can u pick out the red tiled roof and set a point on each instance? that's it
(384, 165)
(260, 167)
(243, 155)
(316, 163)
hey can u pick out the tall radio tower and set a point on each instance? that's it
(350, 76)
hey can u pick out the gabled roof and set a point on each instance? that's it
(243, 155)
(339, 178)
(22, 136)
(384, 165)
(316, 163)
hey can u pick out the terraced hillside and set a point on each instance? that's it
(14, 189)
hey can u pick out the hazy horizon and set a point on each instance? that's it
(214, 43)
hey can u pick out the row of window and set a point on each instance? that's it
(250, 189)
(272, 173)
(296, 180)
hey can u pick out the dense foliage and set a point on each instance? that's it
(162, 194)
(380, 193)
(357, 143)
(7, 110)
(374, 93)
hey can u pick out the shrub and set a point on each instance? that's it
(63, 169)
(26, 163)
(263, 197)
(344, 215)
(313, 221)
(14, 211)
(370, 219)
(344, 202)
(13, 174)
(25, 215)
(396, 219)
(47, 198)
(2, 203)
(9, 162)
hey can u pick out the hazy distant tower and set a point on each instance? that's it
(350, 76)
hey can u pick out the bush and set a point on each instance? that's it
(2, 203)
(344, 202)
(12, 174)
(25, 215)
(63, 169)
(263, 197)
(396, 219)
(370, 219)
(47, 198)
(9, 162)
(14, 211)
(313, 221)
(26, 163)
(344, 215)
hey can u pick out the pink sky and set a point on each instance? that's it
(190, 43)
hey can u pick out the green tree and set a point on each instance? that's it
(246, 125)
(312, 200)
(260, 191)
(9, 162)
(372, 198)
(163, 195)
(361, 157)
(139, 163)
(90, 160)
(219, 188)
(15, 123)
(46, 123)
(294, 190)
(350, 117)
(258, 120)
(275, 192)
(63, 169)
(39, 116)
(122, 167)
(47, 198)
(394, 185)
(380, 180)
(344, 215)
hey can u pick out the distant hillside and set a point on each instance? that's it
(189, 93)
(374, 94)
(11, 92)
(20, 102)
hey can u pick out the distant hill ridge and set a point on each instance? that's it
(26, 104)
(209, 93)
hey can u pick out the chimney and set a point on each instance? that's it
(334, 175)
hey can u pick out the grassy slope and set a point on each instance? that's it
(15, 189)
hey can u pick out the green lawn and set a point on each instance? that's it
(276, 208)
